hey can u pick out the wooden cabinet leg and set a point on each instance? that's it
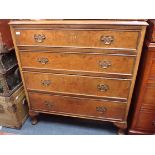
(34, 120)
(121, 131)
(122, 127)
(33, 116)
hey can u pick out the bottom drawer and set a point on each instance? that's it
(146, 121)
(83, 107)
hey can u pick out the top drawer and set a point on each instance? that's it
(87, 38)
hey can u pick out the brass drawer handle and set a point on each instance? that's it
(39, 38)
(153, 122)
(48, 104)
(102, 87)
(43, 60)
(101, 109)
(45, 82)
(107, 40)
(105, 64)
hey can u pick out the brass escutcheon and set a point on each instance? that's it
(43, 60)
(48, 104)
(101, 109)
(45, 82)
(39, 38)
(103, 87)
(105, 64)
(107, 40)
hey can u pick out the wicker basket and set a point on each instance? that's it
(10, 81)
(13, 109)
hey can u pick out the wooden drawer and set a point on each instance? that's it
(148, 101)
(74, 84)
(152, 69)
(78, 62)
(146, 121)
(153, 36)
(77, 106)
(95, 38)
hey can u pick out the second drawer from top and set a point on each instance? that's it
(98, 63)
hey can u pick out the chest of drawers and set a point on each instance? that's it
(143, 118)
(79, 68)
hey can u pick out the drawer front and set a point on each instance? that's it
(77, 84)
(78, 38)
(146, 121)
(78, 62)
(77, 106)
(148, 101)
(153, 35)
(152, 69)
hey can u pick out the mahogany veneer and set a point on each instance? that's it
(143, 120)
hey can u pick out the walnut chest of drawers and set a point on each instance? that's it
(79, 68)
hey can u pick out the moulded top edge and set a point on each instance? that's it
(87, 22)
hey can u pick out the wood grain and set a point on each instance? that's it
(77, 106)
(79, 22)
(74, 84)
(74, 47)
(143, 112)
(81, 37)
(111, 64)
(146, 121)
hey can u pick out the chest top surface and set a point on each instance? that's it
(63, 21)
